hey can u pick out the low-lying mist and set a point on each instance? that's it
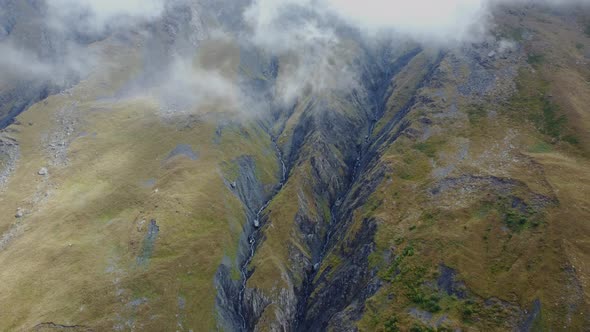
(51, 40)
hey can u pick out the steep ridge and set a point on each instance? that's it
(21, 24)
(329, 268)
(317, 233)
(354, 280)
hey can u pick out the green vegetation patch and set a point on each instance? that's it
(425, 299)
(231, 170)
(391, 324)
(541, 147)
(515, 212)
(550, 122)
(536, 60)
(476, 113)
(468, 309)
(512, 33)
(411, 279)
(430, 147)
(427, 148)
(373, 203)
(532, 103)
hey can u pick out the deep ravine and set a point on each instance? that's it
(252, 238)
(378, 96)
(368, 151)
(380, 73)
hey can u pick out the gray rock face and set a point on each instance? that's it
(532, 317)
(25, 26)
(230, 292)
(9, 154)
(448, 283)
(340, 287)
(149, 243)
(20, 95)
(183, 150)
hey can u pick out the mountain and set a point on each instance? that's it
(173, 172)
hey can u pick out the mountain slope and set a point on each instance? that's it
(441, 188)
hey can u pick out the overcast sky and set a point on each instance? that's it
(435, 19)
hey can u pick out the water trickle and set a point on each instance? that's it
(252, 238)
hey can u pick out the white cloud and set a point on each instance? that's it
(96, 15)
(440, 20)
(16, 63)
(433, 20)
(111, 8)
(186, 86)
(274, 29)
(314, 57)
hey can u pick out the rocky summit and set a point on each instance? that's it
(280, 165)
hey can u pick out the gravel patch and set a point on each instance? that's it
(13, 232)
(57, 142)
(9, 153)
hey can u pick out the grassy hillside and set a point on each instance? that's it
(483, 224)
(86, 252)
